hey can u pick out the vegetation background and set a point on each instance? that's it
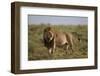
(37, 50)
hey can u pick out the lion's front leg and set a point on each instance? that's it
(54, 48)
(50, 50)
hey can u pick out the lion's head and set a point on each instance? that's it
(48, 34)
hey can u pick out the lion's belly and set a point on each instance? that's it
(60, 39)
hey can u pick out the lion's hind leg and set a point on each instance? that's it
(66, 48)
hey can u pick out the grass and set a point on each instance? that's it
(37, 50)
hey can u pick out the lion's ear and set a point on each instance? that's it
(51, 29)
(48, 28)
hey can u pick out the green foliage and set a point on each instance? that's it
(37, 50)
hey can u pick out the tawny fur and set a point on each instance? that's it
(53, 38)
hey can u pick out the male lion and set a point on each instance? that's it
(53, 38)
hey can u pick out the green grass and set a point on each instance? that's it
(37, 50)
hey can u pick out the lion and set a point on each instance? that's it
(53, 38)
